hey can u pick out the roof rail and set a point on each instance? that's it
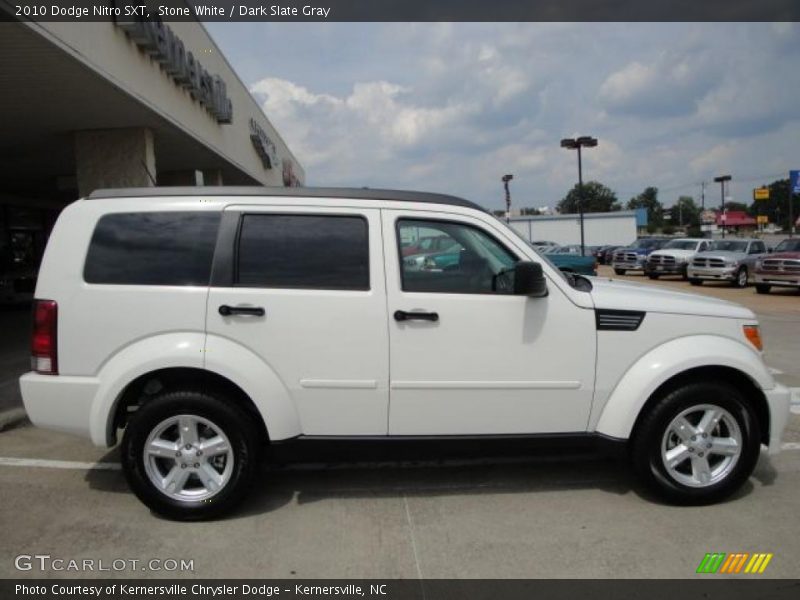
(300, 192)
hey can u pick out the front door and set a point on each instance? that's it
(467, 356)
(306, 293)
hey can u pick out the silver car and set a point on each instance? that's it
(731, 260)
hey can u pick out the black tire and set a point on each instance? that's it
(696, 281)
(620, 271)
(737, 280)
(763, 288)
(649, 434)
(685, 274)
(244, 440)
(653, 275)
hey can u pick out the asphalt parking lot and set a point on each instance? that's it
(557, 517)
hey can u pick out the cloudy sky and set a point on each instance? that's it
(452, 107)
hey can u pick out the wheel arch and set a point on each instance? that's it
(692, 358)
(146, 386)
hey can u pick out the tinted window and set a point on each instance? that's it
(167, 248)
(304, 251)
(470, 261)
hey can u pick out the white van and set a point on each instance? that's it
(219, 325)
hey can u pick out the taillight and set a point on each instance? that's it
(44, 345)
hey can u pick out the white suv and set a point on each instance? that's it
(216, 324)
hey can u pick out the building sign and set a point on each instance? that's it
(794, 181)
(762, 219)
(289, 178)
(160, 42)
(761, 194)
(708, 216)
(263, 144)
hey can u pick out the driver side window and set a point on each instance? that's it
(465, 259)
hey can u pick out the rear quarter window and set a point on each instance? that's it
(152, 248)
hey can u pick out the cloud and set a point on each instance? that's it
(452, 107)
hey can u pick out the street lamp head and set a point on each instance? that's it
(569, 143)
(507, 178)
(587, 141)
(722, 178)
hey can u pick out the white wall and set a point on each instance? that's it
(105, 49)
(599, 228)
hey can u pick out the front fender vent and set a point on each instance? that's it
(618, 320)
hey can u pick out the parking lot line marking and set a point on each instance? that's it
(8, 461)
(414, 544)
(790, 446)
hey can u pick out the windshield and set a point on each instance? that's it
(647, 243)
(681, 245)
(789, 246)
(729, 246)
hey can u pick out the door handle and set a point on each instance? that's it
(402, 315)
(227, 311)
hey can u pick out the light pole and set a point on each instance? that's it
(584, 141)
(721, 180)
(505, 179)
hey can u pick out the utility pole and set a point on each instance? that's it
(702, 195)
(505, 179)
(721, 180)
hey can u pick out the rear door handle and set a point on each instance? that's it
(227, 311)
(402, 315)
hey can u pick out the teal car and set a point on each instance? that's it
(571, 262)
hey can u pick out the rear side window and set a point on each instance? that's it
(303, 251)
(152, 248)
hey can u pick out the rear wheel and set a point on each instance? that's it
(698, 444)
(619, 271)
(696, 281)
(740, 280)
(762, 288)
(190, 454)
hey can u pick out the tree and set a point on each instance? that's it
(596, 198)
(737, 206)
(685, 212)
(777, 207)
(649, 199)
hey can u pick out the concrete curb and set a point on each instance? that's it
(12, 418)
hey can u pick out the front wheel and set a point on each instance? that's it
(740, 281)
(698, 444)
(653, 275)
(696, 281)
(620, 271)
(190, 454)
(763, 288)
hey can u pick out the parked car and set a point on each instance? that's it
(633, 257)
(674, 257)
(600, 253)
(608, 254)
(544, 244)
(569, 260)
(732, 260)
(427, 245)
(781, 268)
(285, 322)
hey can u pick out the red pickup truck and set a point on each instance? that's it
(781, 268)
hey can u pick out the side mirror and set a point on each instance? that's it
(529, 280)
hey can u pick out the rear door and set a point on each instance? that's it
(306, 293)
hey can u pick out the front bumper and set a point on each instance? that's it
(779, 400)
(723, 274)
(783, 280)
(676, 269)
(628, 266)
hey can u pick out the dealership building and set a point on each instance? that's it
(119, 104)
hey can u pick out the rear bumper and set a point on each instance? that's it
(779, 280)
(779, 399)
(59, 402)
